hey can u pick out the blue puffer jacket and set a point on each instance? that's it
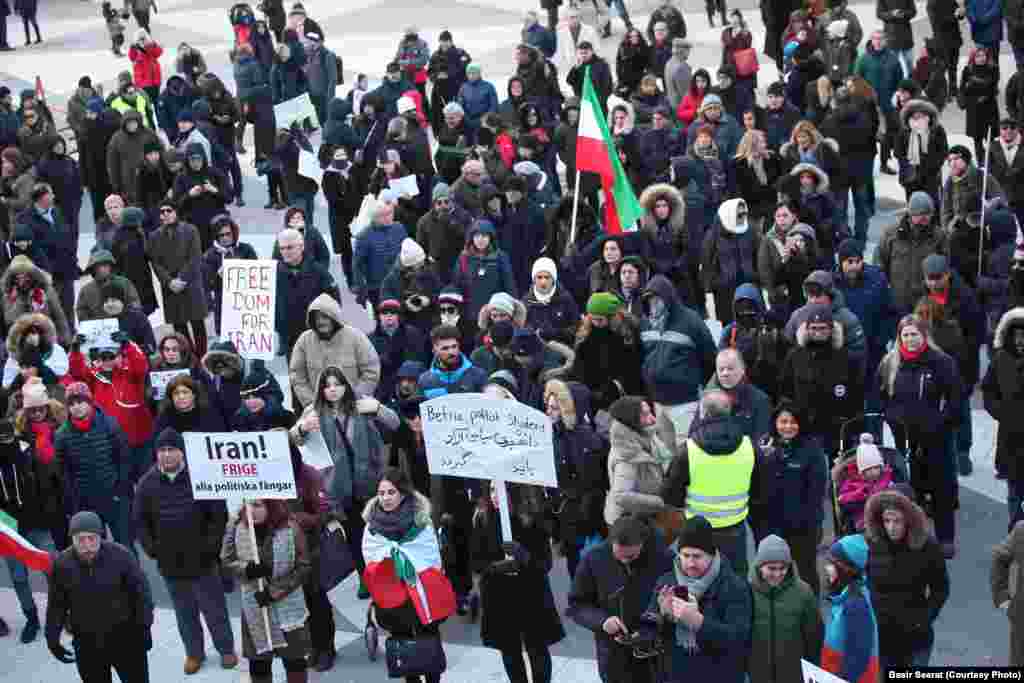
(9, 126)
(477, 98)
(871, 302)
(177, 96)
(251, 81)
(466, 379)
(680, 359)
(376, 251)
(97, 465)
(337, 130)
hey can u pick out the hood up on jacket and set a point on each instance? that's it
(225, 352)
(132, 115)
(326, 305)
(820, 175)
(748, 292)
(660, 286)
(677, 215)
(21, 327)
(837, 335)
(22, 265)
(915, 517)
(1013, 318)
(914, 106)
(196, 149)
(728, 216)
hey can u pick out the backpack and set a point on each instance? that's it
(746, 62)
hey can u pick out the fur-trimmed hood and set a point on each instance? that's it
(677, 217)
(917, 521)
(566, 402)
(916, 105)
(560, 371)
(838, 338)
(818, 173)
(1012, 318)
(22, 264)
(630, 445)
(227, 355)
(483, 320)
(21, 327)
(788, 149)
(422, 518)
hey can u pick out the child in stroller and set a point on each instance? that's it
(864, 477)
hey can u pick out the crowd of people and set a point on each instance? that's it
(497, 275)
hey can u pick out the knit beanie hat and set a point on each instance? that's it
(851, 551)
(152, 146)
(170, 438)
(604, 304)
(850, 248)
(441, 191)
(544, 265)
(472, 67)
(185, 115)
(86, 522)
(412, 253)
(627, 411)
(77, 390)
(445, 37)
(33, 393)
(696, 533)
(868, 455)
(920, 204)
(772, 549)
(450, 295)
(504, 303)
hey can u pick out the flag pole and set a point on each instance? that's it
(984, 191)
(260, 582)
(575, 208)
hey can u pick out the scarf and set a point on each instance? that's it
(910, 356)
(685, 636)
(354, 445)
(542, 297)
(44, 441)
(757, 163)
(287, 614)
(395, 524)
(919, 135)
(941, 298)
(705, 152)
(83, 425)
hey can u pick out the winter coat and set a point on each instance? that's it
(882, 70)
(17, 304)
(631, 63)
(48, 359)
(1005, 556)
(288, 79)
(800, 77)
(986, 20)
(122, 395)
(680, 359)
(97, 463)
(212, 262)
(580, 464)
(348, 349)
(764, 346)
(794, 471)
(174, 253)
(608, 361)
(871, 302)
(923, 394)
(727, 257)
(408, 343)
(56, 240)
(668, 241)
(786, 628)
(751, 409)
(778, 124)
(896, 16)
(125, 153)
(760, 197)
(481, 277)
(129, 251)
(477, 98)
(1003, 389)
(518, 605)
(723, 640)
(635, 473)
(182, 534)
(376, 251)
(146, 65)
(297, 288)
(946, 26)
(656, 148)
(600, 77)
(850, 650)
(201, 209)
(90, 300)
(979, 93)
(925, 177)
(65, 177)
(854, 339)
(908, 578)
(899, 254)
(176, 97)
(1010, 176)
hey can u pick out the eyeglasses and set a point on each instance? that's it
(166, 210)
(442, 202)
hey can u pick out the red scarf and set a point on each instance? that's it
(939, 297)
(44, 441)
(85, 424)
(908, 355)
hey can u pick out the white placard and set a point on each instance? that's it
(815, 674)
(296, 109)
(309, 167)
(314, 451)
(98, 334)
(249, 306)
(233, 465)
(479, 437)
(405, 185)
(161, 378)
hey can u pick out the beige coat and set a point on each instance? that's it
(635, 474)
(349, 349)
(1011, 553)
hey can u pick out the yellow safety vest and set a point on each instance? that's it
(719, 488)
(141, 106)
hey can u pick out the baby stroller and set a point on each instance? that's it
(846, 465)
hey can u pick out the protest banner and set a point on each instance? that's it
(480, 437)
(232, 465)
(314, 451)
(406, 185)
(296, 109)
(815, 674)
(159, 379)
(98, 334)
(249, 305)
(309, 166)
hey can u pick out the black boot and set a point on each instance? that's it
(4, 629)
(31, 630)
(711, 17)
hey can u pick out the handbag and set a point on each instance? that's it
(417, 656)
(336, 562)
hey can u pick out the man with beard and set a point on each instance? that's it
(101, 267)
(903, 248)
(407, 386)
(126, 152)
(1004, 166)
(865, 290)
(100, 594)
(962, 202)
(442, 231)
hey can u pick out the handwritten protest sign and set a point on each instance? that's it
(405, 185)
(247, 314)
(233, 465)
(309, 166)
(471, 435)
(815, 674)
(296, 109)
(98, 334)
(161, 378)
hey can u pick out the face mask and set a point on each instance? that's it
(340, 164)
(450, 319)
(485, 137)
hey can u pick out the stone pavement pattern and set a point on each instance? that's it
(365, 34)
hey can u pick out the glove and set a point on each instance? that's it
(709, 304)
(147, 639)
(256, 570)
(504, 567)
(120, 337)
(517, 551)
(77, 342)
(177, 285)
(263, 598)
(60, 652)
(367, 406)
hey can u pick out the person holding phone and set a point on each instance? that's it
(703, 611)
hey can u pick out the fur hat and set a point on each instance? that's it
(33, 393)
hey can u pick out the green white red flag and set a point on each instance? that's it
(595, 152)
(13, 544)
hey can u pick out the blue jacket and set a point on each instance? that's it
(680, 359)
(56, 241)
(252, 81)
(541, 38)
(477, 98)
(778, 124)
(287, 79)
(723, 641)
(794, 471)
(882, 70)
(727, 135)
(986, 19)
(850, 650)
(407, 344)
(97, 463)
(466, 379)
(9, 125)
(871, 302)
(375, 253)
(337, 129)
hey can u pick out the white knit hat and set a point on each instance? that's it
(33, 393)
(544, 265)
(868, 455)
(412, 253)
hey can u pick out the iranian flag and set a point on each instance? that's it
(595, 152)
(13, 544)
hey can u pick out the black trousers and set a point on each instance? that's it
(126, 655)
(321, 614)
(3, 33)
(25, 20)
(142, 19)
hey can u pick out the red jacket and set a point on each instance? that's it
(146, 66)
(123, 396)
(687, 110)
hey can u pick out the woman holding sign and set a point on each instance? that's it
(272, 572)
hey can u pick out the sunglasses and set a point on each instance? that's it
(449, 309)
(163, 211)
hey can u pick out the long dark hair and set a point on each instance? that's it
(277, 513)
(399, 479)
(347, 403)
